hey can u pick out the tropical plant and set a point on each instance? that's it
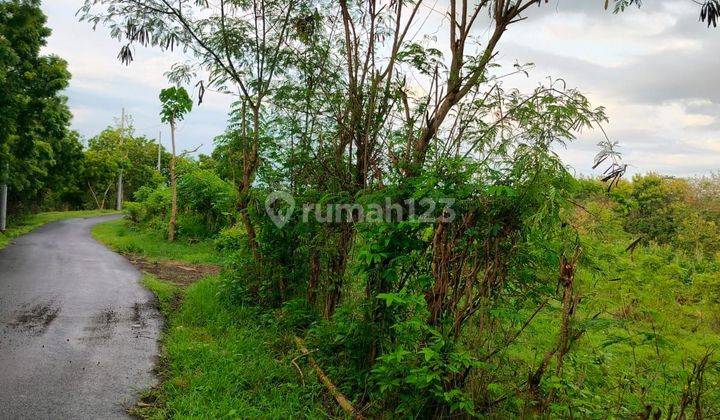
(175, 104)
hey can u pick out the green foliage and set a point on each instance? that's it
(42, 154)
(206, 203)
(657, 207)
(204, 193)
(230, 240)
(134, 211)
(217, 359)
(253, 282)
(114, 150)
(166, 293)
(543, 296)
(192, 226)
(416, 375)
(204, 332)
(698, 236)
(297, 315)
(156, 201)
(175, 104)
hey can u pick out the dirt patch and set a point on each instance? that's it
(36, 319)
(176, 272)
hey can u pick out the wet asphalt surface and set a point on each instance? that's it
(78, 334)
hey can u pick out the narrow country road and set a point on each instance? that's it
(78, 334)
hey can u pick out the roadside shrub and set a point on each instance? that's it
(156, 201)
(344, 345)
(134, 211)
(297, 315)
(142, 194)
(251, 282)
(231, 239)
(204, 193)
(192, 226)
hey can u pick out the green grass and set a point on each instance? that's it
(217, 360)
(123, 238)
(225, 362)
(658, 314)
(167, 294)
(31, 222)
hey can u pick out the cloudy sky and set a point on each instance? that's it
(651, 68)
(101, 86)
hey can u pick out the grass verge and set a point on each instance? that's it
(31, 222)
(151, 245)
(217, 360)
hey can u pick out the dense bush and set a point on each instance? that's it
(658, 205)
(206, 202)
(204, 193)
(134, 211)
(230, 240)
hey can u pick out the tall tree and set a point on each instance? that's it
(175, 104)
(33, 114)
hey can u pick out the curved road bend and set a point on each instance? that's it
(78, 334)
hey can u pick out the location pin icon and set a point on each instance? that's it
(279, 217)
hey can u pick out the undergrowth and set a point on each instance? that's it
(152, 246)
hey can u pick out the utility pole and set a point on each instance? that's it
(120, 177)
(3, 199)
(159, 149)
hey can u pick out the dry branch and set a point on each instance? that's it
(334, 391)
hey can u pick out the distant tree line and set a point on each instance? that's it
(46, 163)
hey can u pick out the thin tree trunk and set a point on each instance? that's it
(314, 277)
(338, 263)
(97, 202)
(173, 185)
(250, 160)
(105, 194)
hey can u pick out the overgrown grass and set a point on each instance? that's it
(28, 223)
(218, 360)
(124, 238)
(649, 315)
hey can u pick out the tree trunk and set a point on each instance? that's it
(250, 161)
(338, 263)
(173, 185)
(92, 192)
(314, 276)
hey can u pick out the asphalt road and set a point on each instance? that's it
(78, 334)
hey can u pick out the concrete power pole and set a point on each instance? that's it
(3, 199)
(120, 177)
(159, 150)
